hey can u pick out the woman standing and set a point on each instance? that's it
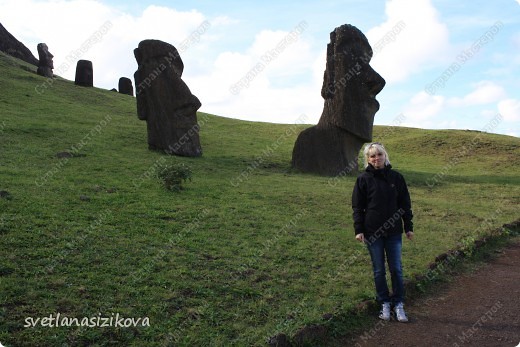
(381, 205)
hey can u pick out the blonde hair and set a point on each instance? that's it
(375, 147)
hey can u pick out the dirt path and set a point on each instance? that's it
(477, 309)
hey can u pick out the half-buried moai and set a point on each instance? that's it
(125, 86)
(84, 74)
(45, 62)
(350, 86)
(165, 101)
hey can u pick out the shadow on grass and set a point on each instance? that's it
(431, 180)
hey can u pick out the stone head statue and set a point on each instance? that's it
(45, 56)
(125, 86)
(45, 63)
(84, 73)
(165, 101)
(350, 84)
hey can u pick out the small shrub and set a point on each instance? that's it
(173, 176)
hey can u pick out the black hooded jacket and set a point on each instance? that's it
(381, 203)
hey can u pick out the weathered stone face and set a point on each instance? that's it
(45, 63)
(165, 101)
(84, 74)
(350, 85)
(349, 89)
(125, 86)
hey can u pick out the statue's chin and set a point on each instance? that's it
(371, 108)
(373, 104)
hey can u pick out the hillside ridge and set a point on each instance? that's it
(10, 45)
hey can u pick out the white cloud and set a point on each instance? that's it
(66, 25)
(294, 59)
(510, 110)
(161, 23)
(422, 108)
(224, 20)
(485, 92)
(433, 111)
(280, 91)
(418, 45)
(54, 21)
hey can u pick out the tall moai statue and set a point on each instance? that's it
(165, 101)
(84, 74)
(350, 86)
(45, 62)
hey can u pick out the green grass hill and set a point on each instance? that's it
(249, 249)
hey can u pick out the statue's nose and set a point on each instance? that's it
(375, 83)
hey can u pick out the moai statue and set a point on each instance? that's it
(165, 101)
(84, 74)
(350, 86)
(125, 86)
(45, 63)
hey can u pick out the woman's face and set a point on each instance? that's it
(376, 159)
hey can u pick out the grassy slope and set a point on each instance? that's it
(239, 255)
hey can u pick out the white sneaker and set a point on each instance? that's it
(385, 311)
(400, 314)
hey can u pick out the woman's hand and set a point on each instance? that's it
(409, 235)
(360, 237)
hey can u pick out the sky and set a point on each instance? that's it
(447, 64)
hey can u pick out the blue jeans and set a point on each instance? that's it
(391, 247)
